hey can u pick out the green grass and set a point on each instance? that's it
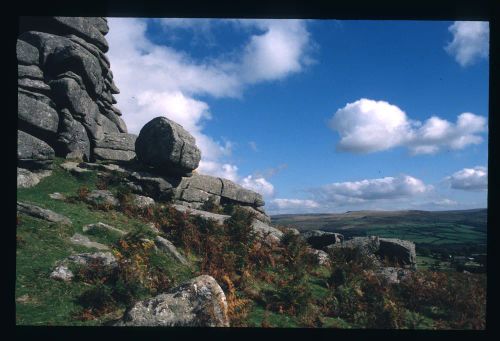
(41, 300)
(259, 314)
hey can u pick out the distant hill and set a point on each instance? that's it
(434, 227)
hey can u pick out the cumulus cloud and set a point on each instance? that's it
(367, 126)
(351, 192)
(258, 184)
(293, 204)
(469, 179)
(158, 80)
(470, 41)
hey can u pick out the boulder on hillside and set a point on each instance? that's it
(396, 250)
(167, 147)
(199, 302)
(320, 239)
(367, 245)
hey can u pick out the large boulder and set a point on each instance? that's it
(33, 153)
(199, 302)
(167, 147)
(396, 250)
(320, 239)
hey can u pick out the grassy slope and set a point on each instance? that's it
(44, 301)
(39, 299)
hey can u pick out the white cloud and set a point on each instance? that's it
(157, 80)
(259, 185)
(351, 192)
(281, 204)
(469, 179)
(445, 202)
(470, 41)
(367, 126)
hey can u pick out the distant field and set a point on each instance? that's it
(425, 227)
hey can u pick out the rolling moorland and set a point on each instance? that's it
(437, 234)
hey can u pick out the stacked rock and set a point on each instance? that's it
(65, 92)
(171, 153)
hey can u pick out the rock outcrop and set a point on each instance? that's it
(261, 229)
(320, 239)
(400, 252)
(199, 302)
(65, 93)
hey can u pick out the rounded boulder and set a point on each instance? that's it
(167, 147)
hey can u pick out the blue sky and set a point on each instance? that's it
(319, 115)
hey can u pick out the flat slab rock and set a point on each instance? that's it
(102, 227)
(80, 239)
(199, 302)
(42, 213)
(166, 246)
(27, 178)
(272, 234)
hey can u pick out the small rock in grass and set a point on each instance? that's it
(57, 196)
(102, 226)
(142, 201)
(103, 197)
(62, 273)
